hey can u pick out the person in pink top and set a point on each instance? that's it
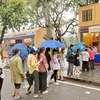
(55, 66)
(43, 69)
(91, 53)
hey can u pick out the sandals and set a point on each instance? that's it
(35, 96)
(28, 92)
(20, 97)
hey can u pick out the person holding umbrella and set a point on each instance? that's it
(17, 73)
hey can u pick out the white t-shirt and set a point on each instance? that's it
(85, 56)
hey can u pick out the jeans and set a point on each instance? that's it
(49, 76)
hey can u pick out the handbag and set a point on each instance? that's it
(71, 59)
(0, 71)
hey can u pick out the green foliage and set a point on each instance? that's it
(12, 14)
(53, 14)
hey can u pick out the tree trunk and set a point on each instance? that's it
(2, 34)
(48, 35)
(1, 39)
(59, 39)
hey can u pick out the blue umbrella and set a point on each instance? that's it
(51, 44)
(78, 46)
(22, 48)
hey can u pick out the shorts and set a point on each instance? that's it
(17, 86)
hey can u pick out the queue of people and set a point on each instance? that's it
(43, 65)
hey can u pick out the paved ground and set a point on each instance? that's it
(91, 76)
(64, 91)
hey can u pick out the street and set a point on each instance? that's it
(65, 91)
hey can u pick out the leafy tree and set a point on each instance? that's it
(53, 14)
(12, 16)
(87, 2)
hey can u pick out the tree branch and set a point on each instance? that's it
(67, 27)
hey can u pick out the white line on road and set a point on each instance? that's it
(83, 86)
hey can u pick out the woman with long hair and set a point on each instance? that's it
(48, 57)
(17, 73)
(43, 69)
(61, 60)
(55, 66)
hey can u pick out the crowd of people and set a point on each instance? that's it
(44, 66)
(80, 61)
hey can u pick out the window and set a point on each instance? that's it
(87, 15)
(95, 43)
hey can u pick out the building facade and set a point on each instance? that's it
(89, 25)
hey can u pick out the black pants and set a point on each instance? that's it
(42, 81)
(35, 77)
(85, 66)
(1, 82)
(92, 64)
(54, 75)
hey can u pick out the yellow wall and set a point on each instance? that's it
(89, 38)
(86, 39)
(95, 15)
(38, 39)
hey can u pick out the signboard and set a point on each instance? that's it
(13, 36)
(12, 41)
(94, 29)
(28, 40)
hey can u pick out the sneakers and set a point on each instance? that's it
(51, 81)
(56, 83)
(47, 86)
(45, 92)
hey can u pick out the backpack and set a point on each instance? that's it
(70, 56)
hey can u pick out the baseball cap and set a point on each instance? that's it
(34, 49)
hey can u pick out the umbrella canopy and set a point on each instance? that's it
(79, 46)
(51, 44)
(22, 48)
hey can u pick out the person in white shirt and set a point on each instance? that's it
(95, 49)
(2, 65)
(85, 60)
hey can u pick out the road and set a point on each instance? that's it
(65, 91)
